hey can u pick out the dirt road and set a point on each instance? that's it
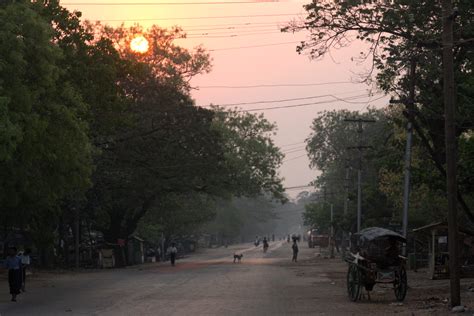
(210, 284)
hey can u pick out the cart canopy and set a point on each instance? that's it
(373, 233)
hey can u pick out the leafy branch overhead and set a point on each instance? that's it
(399, 35)
(90, 126)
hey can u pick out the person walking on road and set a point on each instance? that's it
(25, 263)
(172, 251)
(13, 264)
(295, 251)
(265, 244)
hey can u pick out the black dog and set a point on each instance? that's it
(238, 257)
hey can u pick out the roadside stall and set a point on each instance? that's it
(436, 234)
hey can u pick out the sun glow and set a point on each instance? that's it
(139, 45)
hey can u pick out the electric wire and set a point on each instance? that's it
(291, 159)
(313, 103)
(231, 35)
(286, 145)
(295, 150)
(107, 4)
(298, 187)
(233, 25)
(228, 27)
(302, 145)
(284, 100)
(252, 46)
(200, 17)
(231, 31)
(280, 85)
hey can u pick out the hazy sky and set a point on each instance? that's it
(228, 30)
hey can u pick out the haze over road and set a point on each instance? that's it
(206, 284)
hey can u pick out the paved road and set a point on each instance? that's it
(206, 284)
(210, 284)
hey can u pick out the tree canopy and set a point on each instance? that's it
(94, 131)
(400, 35)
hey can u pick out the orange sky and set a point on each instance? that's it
(253, 66)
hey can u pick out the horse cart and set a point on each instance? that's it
(375, 258)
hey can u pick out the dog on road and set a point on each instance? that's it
(238, 257)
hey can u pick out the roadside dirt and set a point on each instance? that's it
(424, 297)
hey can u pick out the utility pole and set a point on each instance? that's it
(332, 232)
(359, 122)
(346, 201)
(410, 105)
(346, 189)
(450, 138)
(76, 233)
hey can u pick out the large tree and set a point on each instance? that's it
(45, 151)
(401, 33)
(250, 153)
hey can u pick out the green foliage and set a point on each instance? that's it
(249, 153)
(45, 151)
(171, 148)
(382, 172)
(317, 215)
(86, 124)
(399, 33)
(176, 214)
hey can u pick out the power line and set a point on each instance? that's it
(228, 27)
(287, 145)
(283, 100)
(163, 3)
(200, 17)
(307, 104)
(277, 85)
(294, 150)
(288, 150)
(300, 146)
(298, 187)
(255, 24)
(253, 46)
(286, 160)
(230, 35)
(227, 31)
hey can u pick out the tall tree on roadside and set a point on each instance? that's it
(250, 153)
(398, 33)
(45, 151)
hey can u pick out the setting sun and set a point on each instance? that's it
(139, 45)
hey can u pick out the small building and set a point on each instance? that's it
(436, 234)
(106, 258)
(135, 250)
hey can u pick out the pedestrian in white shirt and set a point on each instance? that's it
(172, 251)
(25, 263)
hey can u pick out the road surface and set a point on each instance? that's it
(210, 284)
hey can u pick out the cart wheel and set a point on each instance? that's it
(354, 282)
(401, 284)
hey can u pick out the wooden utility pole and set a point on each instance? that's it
(359, 122)
(346, 202)
(332, 233)
(410, 105)
(77, 232)
(331, 214)
(450, 137)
